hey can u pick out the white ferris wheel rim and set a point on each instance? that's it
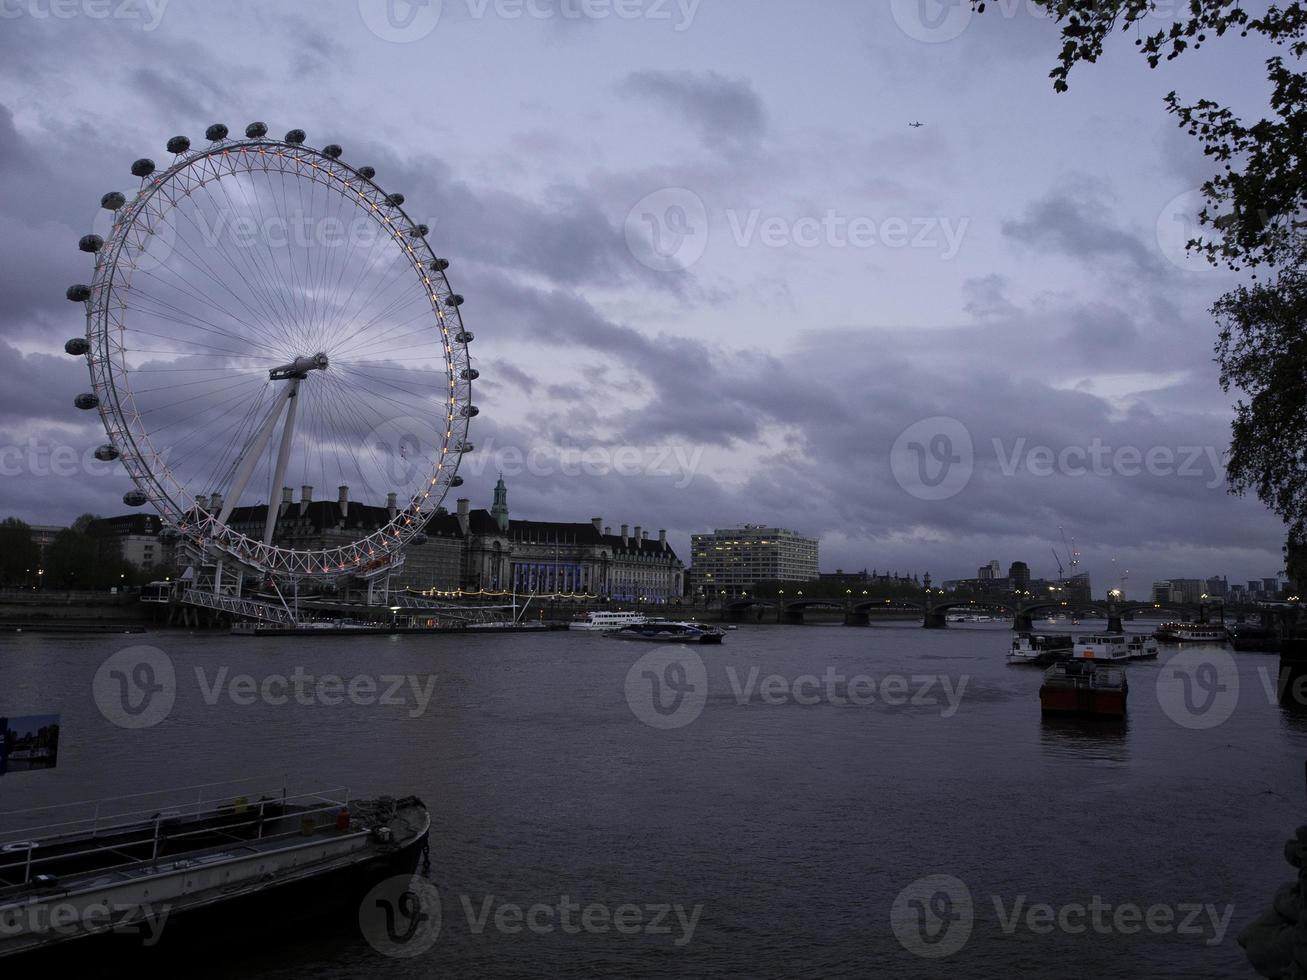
(116, 262)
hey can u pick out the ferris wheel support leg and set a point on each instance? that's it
(253, 453)
(283, 458)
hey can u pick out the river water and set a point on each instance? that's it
(801, 801)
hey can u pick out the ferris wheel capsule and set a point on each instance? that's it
(135, 498)
(256, 130)
(178, 144)
(77, 346)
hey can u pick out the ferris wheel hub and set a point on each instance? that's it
(299, 368)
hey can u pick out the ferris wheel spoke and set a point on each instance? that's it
(362, 349)
(179, 353)
(182, 317)
(188, 384)
(353, 417)
(375, 383)
(223, 467)
(383, 285)
(257, 314)
(332, 323)
(256, 275)
(156, 410)
(298, 285)
(371, 396)
(194, 343)
(202, 446)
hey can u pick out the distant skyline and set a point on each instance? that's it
(714, 275)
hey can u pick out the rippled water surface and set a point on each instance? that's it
(791, 807)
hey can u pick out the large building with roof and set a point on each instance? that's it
(503, 554)
(468, 549)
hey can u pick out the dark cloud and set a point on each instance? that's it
(727, 113)
(1072, 223)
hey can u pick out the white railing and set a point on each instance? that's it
(20, 848)
(253, 609)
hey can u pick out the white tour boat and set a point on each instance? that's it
(605, 622)
(1101, 646)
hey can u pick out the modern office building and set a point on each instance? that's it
(733, 560)
(1163, 592)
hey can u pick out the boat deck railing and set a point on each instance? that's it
(101, 842)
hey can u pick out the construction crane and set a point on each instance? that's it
(1059, 564)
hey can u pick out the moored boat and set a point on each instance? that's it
(1140, 646)
(1040, 649)
(1083, 687)
(605, 622)
(215, 863)
(662, 631)
(1191, 633)
(1101, 646)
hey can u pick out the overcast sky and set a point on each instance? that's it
(714, 275)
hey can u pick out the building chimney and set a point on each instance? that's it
(644, 536)
(287, 495)
(215, 502)
(392, 504)
(464, 514)
(342, 498)
(598, 522)
(199, 501)
(608, 529)
(662, 537)
(625, 528)
(637, 535)
(306, 498)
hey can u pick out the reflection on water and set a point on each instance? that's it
(1102, 740)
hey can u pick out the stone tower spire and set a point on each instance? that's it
(499, 511)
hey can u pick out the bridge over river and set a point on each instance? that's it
(935, 607)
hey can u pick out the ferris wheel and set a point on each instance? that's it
(262, 312)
